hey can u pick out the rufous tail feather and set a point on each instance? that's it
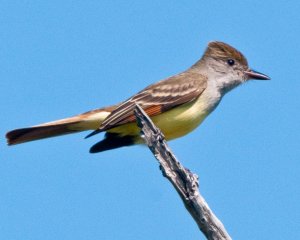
(87, 121)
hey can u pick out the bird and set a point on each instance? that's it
(176, 105)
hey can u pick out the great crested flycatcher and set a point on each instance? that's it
(177, 105)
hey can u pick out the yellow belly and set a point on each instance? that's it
(174, 123)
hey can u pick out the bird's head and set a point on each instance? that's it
(228, 66)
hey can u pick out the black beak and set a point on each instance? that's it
(251, 74)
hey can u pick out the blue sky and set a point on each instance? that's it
(60, 58)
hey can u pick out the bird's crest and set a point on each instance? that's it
(220, 50)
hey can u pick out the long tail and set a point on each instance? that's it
(87, 121)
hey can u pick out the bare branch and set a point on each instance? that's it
(184, 181)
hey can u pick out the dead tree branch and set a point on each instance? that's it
(184, 181)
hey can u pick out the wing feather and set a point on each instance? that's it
(158, 98)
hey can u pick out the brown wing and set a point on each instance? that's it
(158, 98)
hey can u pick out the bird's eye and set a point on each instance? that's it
(230, 62)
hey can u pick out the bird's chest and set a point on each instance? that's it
(185, 118)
